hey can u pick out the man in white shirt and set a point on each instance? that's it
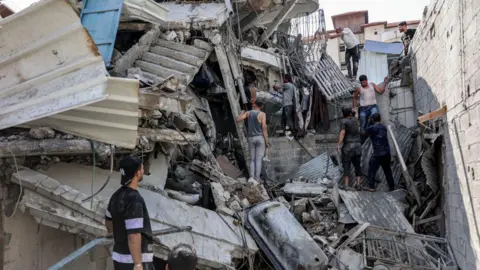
(351, 49)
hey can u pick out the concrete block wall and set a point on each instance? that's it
(286, 156)
(446, 61)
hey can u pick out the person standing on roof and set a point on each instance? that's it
(127, 218)
(407, 36)
(368, 101)
(182, 257)
(352, 149)
(288, 93)
(257, 138)
(351, 49)
(381, 152)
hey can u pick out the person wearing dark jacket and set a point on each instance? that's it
(352, 148)
(407, 36)
(381, 153)
(288, 105)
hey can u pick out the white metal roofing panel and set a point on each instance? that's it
(51, 65)
(374, 65)
(105, 120)
(53, 69)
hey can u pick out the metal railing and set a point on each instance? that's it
(104, 241)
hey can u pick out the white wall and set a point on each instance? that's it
(446, 59)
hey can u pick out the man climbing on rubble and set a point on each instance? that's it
(127, 218)
(351, 49)
(407, 36)
(257, 137)
(368, 101)
(381, 153)
(182, 257)
(352, 149)
(288, 92)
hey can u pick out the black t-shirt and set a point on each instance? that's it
(352, 131)
(379, 136)
(128, 212)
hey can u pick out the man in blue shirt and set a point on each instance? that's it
(381, 152)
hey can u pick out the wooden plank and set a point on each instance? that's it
(435, 114)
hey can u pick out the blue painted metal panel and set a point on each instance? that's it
(101, 19)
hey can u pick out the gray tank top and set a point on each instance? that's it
(254, 127)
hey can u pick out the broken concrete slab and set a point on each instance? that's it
(127, 60)
(217, 239)
(304, 189)
(218, 194)
(52, 189)
(300, 206)
(49, 147)
(158, 100)
(185, 122)
(56, 215)
(169, 136)
(347, 259)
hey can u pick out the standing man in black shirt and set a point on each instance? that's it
(127, 217)
(381, 152)
(352, 148)
(407, 36)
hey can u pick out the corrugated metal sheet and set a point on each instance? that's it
(101, 19)
(377, 208)
(374, 65)
(49, 67)
(145, 10)
(383, 47)
(105, 120)
(329, 78)
(53, 66)
(402, 104)
(319, 167)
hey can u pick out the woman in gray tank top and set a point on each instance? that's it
(257, 138)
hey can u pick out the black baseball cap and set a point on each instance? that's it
(128, 168)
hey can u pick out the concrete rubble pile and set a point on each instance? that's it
(168, 91)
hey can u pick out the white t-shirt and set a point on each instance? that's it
(349, 38)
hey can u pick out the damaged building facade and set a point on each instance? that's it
(166, 81)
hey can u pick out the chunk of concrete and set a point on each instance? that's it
(235, 206)
(41, 133)
(218, 194)
(300, 206)
(245, 203)
(185, 123)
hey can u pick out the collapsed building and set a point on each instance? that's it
(165, 82)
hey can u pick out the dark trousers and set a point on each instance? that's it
(352, 154)
(375, 162)
(129, 266)
(354, 55)
(288, 117)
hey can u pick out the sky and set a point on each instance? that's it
(378, 10)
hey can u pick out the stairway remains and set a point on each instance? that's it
(166, 58)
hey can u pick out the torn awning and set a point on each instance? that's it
(53, 66)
